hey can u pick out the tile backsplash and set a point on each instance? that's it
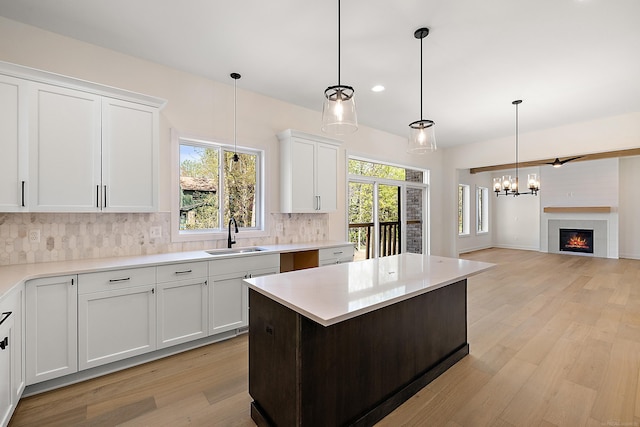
(73, 236)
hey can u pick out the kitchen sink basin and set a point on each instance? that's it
(231, 251)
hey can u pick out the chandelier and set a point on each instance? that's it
(508, 186)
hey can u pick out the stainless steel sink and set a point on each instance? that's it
(216, 252)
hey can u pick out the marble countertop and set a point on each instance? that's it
(334, 293)
(13, 275)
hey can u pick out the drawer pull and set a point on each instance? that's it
(119, 280)
(338, 253)
(184, 272)
(5, 316)
(4, 343)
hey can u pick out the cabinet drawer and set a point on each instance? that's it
(116, 279)
(243, 263)
(183, 270)
(340, 252)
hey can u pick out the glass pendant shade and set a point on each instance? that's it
(339, 110)
(422, 137)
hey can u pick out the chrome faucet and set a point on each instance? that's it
(229, 240)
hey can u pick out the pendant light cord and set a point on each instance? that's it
(421, 117)
(235, 124)
(517, 183)
(338, 42)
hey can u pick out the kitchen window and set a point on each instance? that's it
(212, 189)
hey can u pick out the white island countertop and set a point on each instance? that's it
(331, 294)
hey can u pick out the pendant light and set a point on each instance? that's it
(507, 184)
(235, 77)
(422, 137)
(339, 109)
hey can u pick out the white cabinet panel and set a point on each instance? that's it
(13, 143)
(6, 365)
(64, 139)
(303, 176)
(308, 173)
(327, 177)
(228, 295)
(114, 325)
(129, 156)
(228, 303)
(182, 311)
(51, 328)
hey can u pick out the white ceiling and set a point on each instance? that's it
(569, 60)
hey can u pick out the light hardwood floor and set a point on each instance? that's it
(554, 339)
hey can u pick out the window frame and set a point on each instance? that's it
(262, 226)
(376, 181)
(464, 211)
(482, 210)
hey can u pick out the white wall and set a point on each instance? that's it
(474, 240)
(516, 220)
(201, 107)
(589, 183)
(629, 209)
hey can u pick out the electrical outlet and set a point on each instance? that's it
(279, 227)
(155, 232)
(34, 236)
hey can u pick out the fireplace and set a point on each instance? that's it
(576, 240)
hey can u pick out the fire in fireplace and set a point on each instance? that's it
(576, 240)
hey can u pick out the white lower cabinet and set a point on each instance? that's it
(6, 365)
(228, 295)
(51, 328)
(116, 315)
(337, 255)
(11, 366)
(182, 303)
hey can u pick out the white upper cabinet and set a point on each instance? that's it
(65, 141)
(90, 147)
(129, 156)
(13, 144)
(308, 173)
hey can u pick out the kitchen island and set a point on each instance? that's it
(347, 344)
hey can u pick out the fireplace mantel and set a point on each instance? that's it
(577, 209)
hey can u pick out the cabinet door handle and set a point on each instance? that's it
(5, 316)
(153, 290)
(72, 280)
(97, 196)
(105, 197)
(23, 194)
(124, 279)
(206, 283)
(184, 272)
(4, 343)
(319, 203)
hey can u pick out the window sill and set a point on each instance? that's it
(177, 237)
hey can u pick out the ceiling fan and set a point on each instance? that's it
(557, 162)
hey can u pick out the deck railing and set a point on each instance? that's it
(390, 237)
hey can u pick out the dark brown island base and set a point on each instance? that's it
(347, 344)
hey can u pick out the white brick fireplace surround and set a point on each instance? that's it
(604, 225)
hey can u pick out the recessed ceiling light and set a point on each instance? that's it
(377, 88)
